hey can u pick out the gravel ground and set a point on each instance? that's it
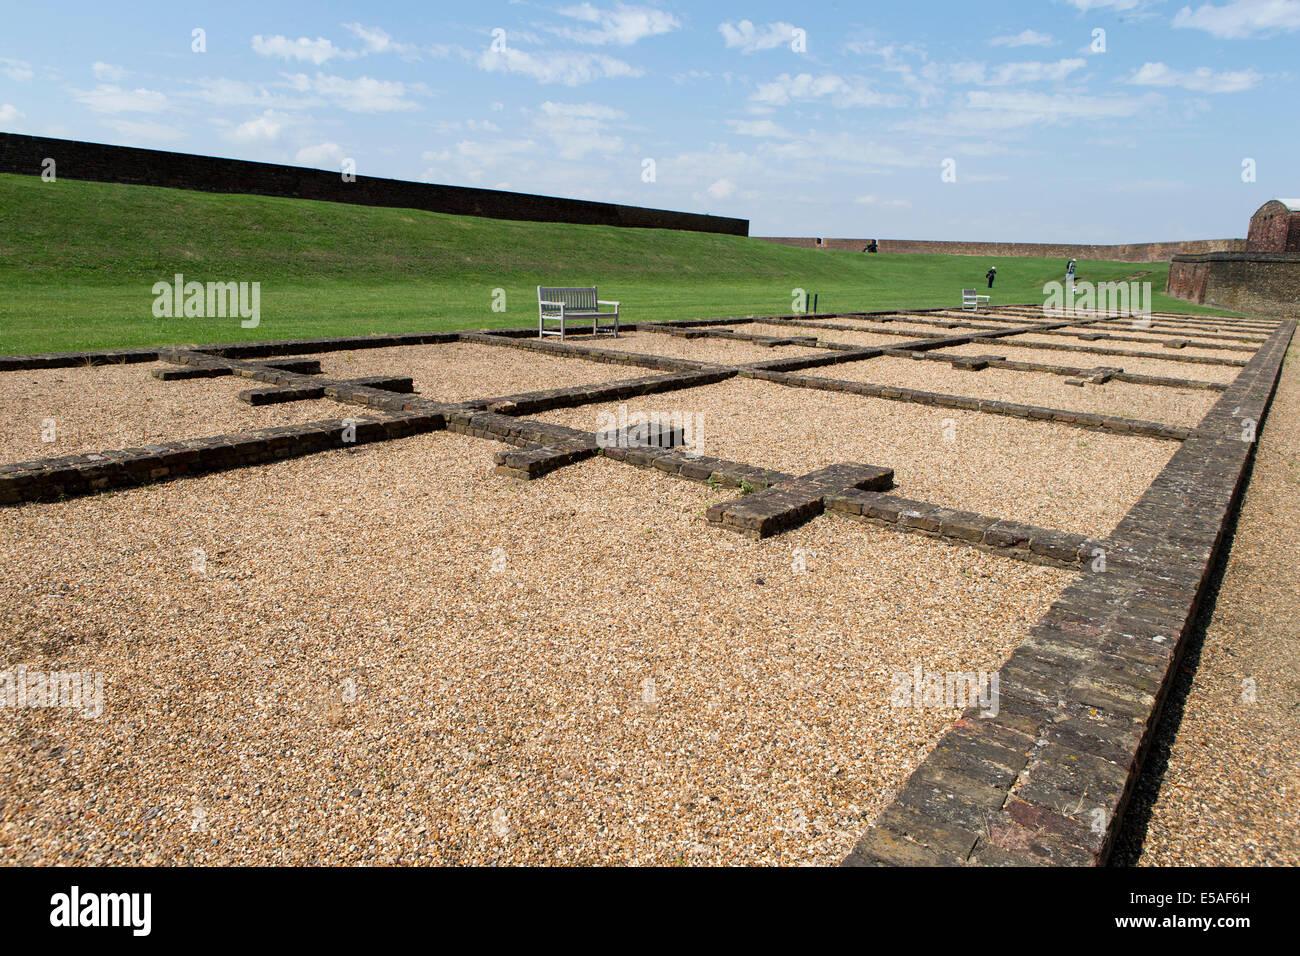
(982, 316)
(121, 406)
(835, 335)
(1131, 346)
(376, 665)
(830, 335)
(1222, 786)
(1137, 366)
(920, 328)
(458, 371)
(1175, 328)
(721, 351)
(1164, 335)
(1174, 406)
(1037, 472)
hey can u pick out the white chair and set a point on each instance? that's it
(971, 301)
(561, 303)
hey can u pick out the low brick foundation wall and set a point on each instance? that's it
(49, 479)
(1046, 779)
(1012, 539)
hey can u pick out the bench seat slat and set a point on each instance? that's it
(561, 303)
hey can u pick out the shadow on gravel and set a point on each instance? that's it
(1133, 828)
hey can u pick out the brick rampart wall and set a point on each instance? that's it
(1133, 252)
(150, 167)
(1255, 283)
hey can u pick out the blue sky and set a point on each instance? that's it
(1050, 136)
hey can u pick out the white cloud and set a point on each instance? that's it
(1005, 74)
(19, 70)
(146, 131)
(622, 26)
(263, 129)
(1017, 108)
(10, 113)
(107, 98)
(870, 200)
(321, 155)
(377, 40)
(721, 188)
(593, 111)
(569, 69)
(444, 127)
(1200, 80)
(1086, 5)
(1024, 38)
(109, 73)
(1242, 18)
(477, 161)
(576, 129)
(860, 155)
(227, 92)
(316, 51)
(748, 38)
(763, 128)
(841, 92)
(361, 95)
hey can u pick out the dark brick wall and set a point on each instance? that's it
(1132, 252)
(1255, 283)
(149, 167)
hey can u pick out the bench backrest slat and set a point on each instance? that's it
(574, 298)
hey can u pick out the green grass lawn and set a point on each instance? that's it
(78, 262)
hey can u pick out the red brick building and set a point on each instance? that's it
(1275, 227)
(1263, 280)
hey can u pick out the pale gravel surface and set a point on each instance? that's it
(1129, 346)
(457, 371)
(1175, 328)
(1159, 335)
(1005, 321)
(1230, 794)
(721, 351)
(1042, 473)
(1175, 406)
(837, 336)
(349, 681)
(105, 407)
(920, 328)
(1196, 371)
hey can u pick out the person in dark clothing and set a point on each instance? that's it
(991, 275)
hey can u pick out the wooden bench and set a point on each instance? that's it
(970, 300)
(560, 304)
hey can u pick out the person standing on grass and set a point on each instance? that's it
(991, 275)
(1069, 273)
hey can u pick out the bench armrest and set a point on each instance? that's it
(607, 302)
